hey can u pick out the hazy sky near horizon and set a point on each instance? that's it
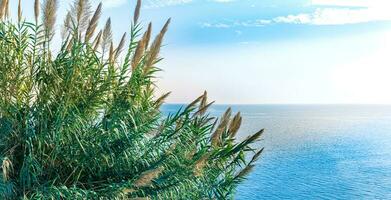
(267, 51)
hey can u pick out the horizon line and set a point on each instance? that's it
(244, 104)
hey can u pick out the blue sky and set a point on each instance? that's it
(268, 51)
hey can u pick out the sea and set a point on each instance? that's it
(316, 151)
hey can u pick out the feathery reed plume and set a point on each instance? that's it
(49, 17)
(257, 155)
(111, 53)
(106, 36)
(79, 5)
(147, 177)
(97, 40)
(138, 54)
(252, 138)
(66, 26)
(171, 149)
(93, 23)
(81, 11)
(137, 12)
(6, 167)
(7, 10)
(161, 99)
(120, 46)
(19, 11)
(203, 109)
(147, 35)
(204, 99)
(178, 124)
(200, 164)
(235, 125)
(4, 9)
(190, 155)
(243, 173)
(256, 136)
(250, 166)
(193, 103)
(36, 10)
(155, 48)
(70, 44)
(203, 103)
(216, 136)
(127, 191)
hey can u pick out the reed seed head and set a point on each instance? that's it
(49, 16)
(120, 46)
(66, 26)
(193, 103)
(93, 23)
(203, 109)
(235, 125)
(107, 35)
(7, 168)
(161, 100)
(97, 40)
(155, 48)
(36, 10)
(147, 177)
(7, 10)
(137, 12)
(81, 11)
(111, 53)
(4, 9)
(19, 11)
(147, 35)
(203, 103)
(217, 135)
(138, 54)
(200, 164)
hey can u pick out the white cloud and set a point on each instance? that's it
(216, 25)
(365, 11)
(337, 16)
(294, 19)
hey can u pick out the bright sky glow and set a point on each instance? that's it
(269, 51)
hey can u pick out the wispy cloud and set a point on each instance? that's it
(231, 24)
(347, 12)
(352, 3)
(164, 3)
(336, 16)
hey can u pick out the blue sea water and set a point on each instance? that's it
(317, 151)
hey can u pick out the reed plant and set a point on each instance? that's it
(83, 121)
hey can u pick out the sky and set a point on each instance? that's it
(267, 51)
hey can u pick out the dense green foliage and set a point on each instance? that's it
(83, 122)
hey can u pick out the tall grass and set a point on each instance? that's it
(84, 123)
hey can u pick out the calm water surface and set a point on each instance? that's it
(317, 151)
